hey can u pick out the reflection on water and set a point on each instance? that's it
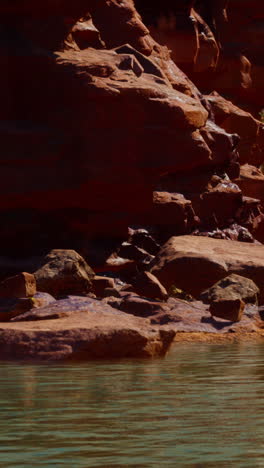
(202, 406)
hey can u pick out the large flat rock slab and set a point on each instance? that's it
(83, 329)
(195, 263)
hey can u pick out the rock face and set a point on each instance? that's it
(64, 148)
(172, 213)
(217, 43)
(200, 34)
(217, 202)
(236, 120)
(251, 181)
(196, 263)
(64, 272)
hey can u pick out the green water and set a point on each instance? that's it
(202, 406)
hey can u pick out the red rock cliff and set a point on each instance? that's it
(218, 43)
(95, 115)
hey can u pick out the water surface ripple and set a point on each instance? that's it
(202, 406)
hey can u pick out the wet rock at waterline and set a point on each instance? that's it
(82, 329)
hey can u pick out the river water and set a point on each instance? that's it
(202, 406)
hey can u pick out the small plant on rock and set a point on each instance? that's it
(179, 294)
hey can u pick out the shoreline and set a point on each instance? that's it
(214, 338)
(100, 332)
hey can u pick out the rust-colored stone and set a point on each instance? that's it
(228, 309)
(22, 285)
(194, 264)
(147, 285)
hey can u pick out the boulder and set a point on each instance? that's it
(22, 285)
(194, 264)
(234, 286)
(140, 306)
(64, 272)
(223, 200)
(190, 272)
(100, 283)
(230, 309)
(147, 285)
(172, 212)
(228, 297)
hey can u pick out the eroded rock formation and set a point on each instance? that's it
(123, 124)
(218, 43)
(94, 111)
